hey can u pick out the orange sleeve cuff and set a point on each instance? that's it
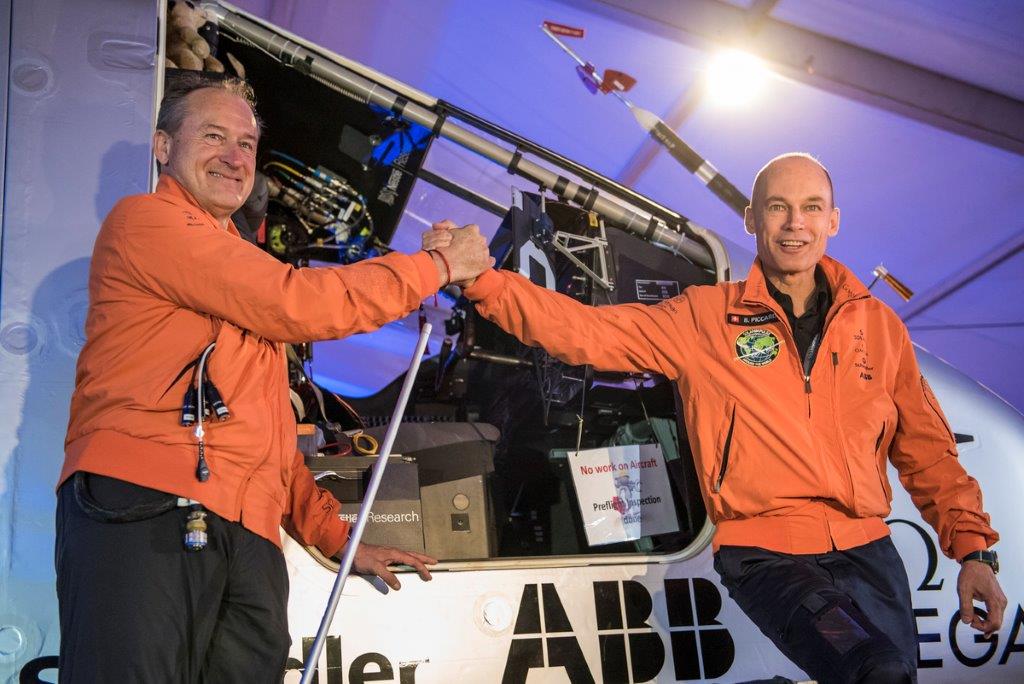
(428, 273)
(334, 539)
(965, 543)
(489, 283)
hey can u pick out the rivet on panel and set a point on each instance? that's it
(32, 76)
(19, 338)
(11, 640)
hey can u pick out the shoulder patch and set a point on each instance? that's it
(751, 319)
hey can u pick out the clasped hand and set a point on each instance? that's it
(464, 249)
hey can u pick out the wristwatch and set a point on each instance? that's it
(989, 558)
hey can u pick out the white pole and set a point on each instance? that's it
(364, 511)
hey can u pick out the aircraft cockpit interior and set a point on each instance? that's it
(496, 435)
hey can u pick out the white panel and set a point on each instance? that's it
(5, 50)
(79, 118)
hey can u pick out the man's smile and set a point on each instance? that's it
(224, 176)
(792, 246)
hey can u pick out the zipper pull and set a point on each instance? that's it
(807, 384)
(835, 359)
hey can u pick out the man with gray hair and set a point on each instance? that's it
(797, 387)
(168, 557)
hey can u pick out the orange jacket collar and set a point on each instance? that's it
(169, 187)
(844, 284)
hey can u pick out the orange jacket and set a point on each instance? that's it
(165, 281)
(786, 463)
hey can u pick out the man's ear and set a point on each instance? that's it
(748, 220)
(162, 147)
(833, 222)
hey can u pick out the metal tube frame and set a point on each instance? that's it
(703, 248)
(347, 559)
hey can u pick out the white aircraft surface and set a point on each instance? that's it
(645, 612)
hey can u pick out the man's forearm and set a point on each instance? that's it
(623, 338)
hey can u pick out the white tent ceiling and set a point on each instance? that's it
(937, 207)
(979, 41)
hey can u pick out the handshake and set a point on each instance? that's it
(460, 254)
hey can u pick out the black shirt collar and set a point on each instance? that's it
(820, 300)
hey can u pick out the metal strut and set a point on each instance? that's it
(569, 244)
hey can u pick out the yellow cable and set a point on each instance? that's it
(285, 167)
(371, 450)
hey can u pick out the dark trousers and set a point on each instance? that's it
(135, 606)
(842, 616)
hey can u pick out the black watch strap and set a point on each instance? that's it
(989, 558)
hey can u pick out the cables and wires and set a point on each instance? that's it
(322, 212)
(364, 444)
(202, 400)
(202, 468)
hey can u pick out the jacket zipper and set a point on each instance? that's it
(809, 357)
(812, 352)
(808, 361)
(931, 400)
(725, 451)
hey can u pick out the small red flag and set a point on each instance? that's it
(616, 80)
(564, 30)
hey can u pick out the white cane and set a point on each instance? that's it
(309, 668)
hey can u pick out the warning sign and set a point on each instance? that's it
(624, 493)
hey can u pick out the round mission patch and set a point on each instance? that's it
(757, 347)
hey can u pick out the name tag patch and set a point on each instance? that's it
(751, 319)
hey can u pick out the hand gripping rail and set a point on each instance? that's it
(309, 668)
(708, 252)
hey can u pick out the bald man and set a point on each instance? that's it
(797, 386)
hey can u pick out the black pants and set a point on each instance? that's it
(135, 606)
(842, 616)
